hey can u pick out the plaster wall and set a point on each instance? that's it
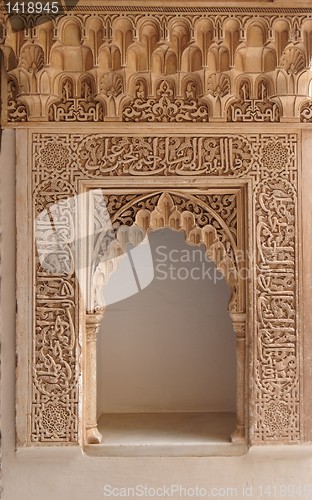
(170, 347)
(50, 473)
(65, 472)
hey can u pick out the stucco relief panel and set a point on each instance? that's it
(269, 161)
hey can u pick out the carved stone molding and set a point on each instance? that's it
(268, 162)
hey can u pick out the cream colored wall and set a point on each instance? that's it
(172, 346)
(67, 474)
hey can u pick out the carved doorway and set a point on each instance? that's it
(213, 217)
(56, 368)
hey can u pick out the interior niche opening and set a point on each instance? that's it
(166, 359)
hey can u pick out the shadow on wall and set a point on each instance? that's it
(170, 347)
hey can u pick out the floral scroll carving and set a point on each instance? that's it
(258, 109)
(306, 113)
(166, 107)
(17, 111)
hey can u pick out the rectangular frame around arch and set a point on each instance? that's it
(275, 388)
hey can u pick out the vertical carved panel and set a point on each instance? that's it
(277, 364)
(277, 348)
(55, 354)
(55, 391)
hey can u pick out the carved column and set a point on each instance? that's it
(239, 325)
(93, 321)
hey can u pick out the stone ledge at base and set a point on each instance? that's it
(167, 435)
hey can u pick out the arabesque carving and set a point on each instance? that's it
(257, 109)
(17, 111)
(306, 112)
(166, 108)
(269, 162)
